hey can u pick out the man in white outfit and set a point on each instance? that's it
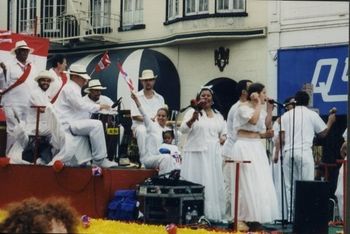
(230, 168)
(150, 101)
(59, 65)
(307, 123)
(19, 78)
(25, 131)
(93, 93)
(72, 111)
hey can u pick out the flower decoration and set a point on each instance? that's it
(58, 166)
(85, 220)
(96, 171)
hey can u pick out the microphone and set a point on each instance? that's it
(333, 111)
(271, 101)
(290, 103)
(117, 103)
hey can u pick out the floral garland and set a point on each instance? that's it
(90, 225)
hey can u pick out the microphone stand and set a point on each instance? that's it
(292, 168)
(283, 221)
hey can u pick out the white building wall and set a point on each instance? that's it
(303, 24)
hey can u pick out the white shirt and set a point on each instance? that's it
(19, 95)
(203, 131)
(243, 114)
(231, 132)
(70, 105)
(38, 98)
(154, 135)
(102, 100)
(150, 106)
(307, 123)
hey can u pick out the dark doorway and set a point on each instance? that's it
(225, 94)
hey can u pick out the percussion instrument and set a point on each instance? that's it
(111, 126)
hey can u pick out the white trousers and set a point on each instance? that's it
(304, 169)
(140, 134)
(94, 130)
(164, 162)
(12, 122)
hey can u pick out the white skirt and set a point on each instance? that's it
(205, 168)
(257, 195)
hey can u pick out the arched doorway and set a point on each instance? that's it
(225, 94)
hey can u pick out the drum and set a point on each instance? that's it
(111, 123)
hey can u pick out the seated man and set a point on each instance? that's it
(109, 119)
(26, 130)
(72, 113)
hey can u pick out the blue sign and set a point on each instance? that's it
(324, 67)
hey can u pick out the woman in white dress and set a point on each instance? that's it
(257, 196)
(152, 158)
(202, 161)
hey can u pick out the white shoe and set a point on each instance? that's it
(105, 163)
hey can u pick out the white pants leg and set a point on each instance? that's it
(94, 130)
(165, 162)
(304, 169)
(11, 122)
(140, 134)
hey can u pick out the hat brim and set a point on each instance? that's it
(47, 77)
(148, 78)
(82, 75)
(87, 90)
(31, 50)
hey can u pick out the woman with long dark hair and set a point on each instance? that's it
(257, 195)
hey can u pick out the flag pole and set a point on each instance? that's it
(93, 71)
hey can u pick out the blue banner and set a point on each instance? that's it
(324, 67)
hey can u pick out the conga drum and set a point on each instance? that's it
(111, 123)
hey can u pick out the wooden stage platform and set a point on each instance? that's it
(88, 194)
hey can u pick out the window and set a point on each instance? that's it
(53, 15)
(173, 9)
(27, 14)
(196, 7)
(132, 12)
(101, 13)
(226, 6)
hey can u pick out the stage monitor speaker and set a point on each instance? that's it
(311, 209)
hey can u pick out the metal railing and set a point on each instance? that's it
(68, 26)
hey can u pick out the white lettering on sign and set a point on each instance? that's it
(324, 87)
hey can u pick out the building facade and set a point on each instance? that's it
(204, 42)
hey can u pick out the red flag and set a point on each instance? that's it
(103, 63)
(125, 76)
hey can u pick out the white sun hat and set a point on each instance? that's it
(94, 84)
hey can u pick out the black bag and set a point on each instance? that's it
(44, 150)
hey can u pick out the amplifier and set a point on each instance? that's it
(167, 201)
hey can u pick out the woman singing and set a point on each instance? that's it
(202, 161)
(257, 196)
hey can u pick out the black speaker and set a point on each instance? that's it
(311, 209)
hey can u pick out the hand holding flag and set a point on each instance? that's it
(125, 76)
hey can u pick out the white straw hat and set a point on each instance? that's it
(22, 45)
(44, 74)
(79, 70)
(94, 84)
(147, 75)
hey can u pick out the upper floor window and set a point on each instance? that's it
(196, 7)
(26, 17)
(173, 9)
(228, 6)
(53, 15)
(101, 13)
(132, 12)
